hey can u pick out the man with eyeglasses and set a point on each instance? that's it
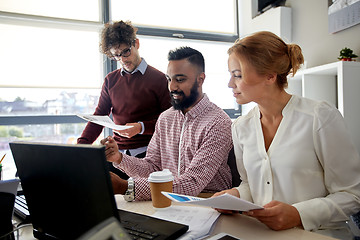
(135, 94)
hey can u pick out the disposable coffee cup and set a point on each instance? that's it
(160, 181)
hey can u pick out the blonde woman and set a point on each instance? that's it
(294, 155)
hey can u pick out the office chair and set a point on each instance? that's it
(234, 172)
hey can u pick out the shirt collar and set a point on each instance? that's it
(141, 68)
(288, 107)
(199, 107)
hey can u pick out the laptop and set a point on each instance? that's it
(68, 191)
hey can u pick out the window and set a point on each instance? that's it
(39, 56)
(51, 69)
(211, 16)
(87, 10)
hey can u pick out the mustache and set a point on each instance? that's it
(177, 92)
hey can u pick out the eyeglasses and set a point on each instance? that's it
(124, 53)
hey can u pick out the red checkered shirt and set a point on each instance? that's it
(205, 135)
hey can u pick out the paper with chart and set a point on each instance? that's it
(225, 201)
(103, 121)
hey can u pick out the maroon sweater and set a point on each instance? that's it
(131, 98)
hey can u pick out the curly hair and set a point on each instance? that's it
(115, 34)
(267, 53)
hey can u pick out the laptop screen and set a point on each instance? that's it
(65, 191)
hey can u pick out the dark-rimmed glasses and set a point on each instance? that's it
(124, 53)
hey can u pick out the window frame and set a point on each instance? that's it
(182, 34)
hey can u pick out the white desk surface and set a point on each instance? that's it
(243, 227)
(238, 225)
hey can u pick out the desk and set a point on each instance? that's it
(241, 226)
(238, 225)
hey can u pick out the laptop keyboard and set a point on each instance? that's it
(137, 233)
(20, 208)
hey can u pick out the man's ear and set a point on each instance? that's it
(137, 43)
(201, 79)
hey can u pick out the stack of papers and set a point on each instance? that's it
(199, 220)
(225, 201)
(103, 121)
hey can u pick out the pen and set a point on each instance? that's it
(2, 158)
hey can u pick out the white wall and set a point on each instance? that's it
(309, 29)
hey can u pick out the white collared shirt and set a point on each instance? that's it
(311, 162)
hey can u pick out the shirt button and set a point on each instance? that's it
(268, 182)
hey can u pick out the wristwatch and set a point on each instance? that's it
(130, 192)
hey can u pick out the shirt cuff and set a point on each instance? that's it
(142, 128)
(313, 213)
(244, 192)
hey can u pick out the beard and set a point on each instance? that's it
(186, 101)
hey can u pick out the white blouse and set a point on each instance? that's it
(311, 163)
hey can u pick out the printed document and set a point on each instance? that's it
(103, 121)
(225, 201)
(199, 219)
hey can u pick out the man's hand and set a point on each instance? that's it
(111, 150)
(119, 185)
(233, 192)
(277, 215)
(130, 132)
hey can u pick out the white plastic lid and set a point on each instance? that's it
(161, 176)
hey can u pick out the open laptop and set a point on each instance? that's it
(68, 191)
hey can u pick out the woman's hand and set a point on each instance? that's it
(277, 215)
(111, 150)
(233, 192)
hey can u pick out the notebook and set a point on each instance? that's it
(68, 191)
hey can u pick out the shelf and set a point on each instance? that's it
(337, 83)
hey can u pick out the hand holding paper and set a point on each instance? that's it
(103, 121)
(225, 201)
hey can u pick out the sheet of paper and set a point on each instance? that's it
(225, 201)
(200, 220)
(103, 121)
(9, 186)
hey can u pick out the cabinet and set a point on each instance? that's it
(337, 83)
